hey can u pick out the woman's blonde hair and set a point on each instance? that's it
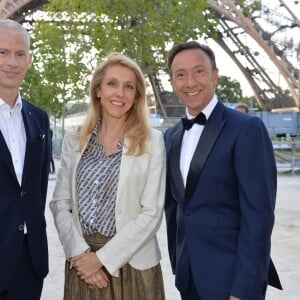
(137, 128)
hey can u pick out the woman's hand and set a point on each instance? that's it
(86, 264)
(99, 279)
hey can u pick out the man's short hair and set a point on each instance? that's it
(242, 107)
(177, 48)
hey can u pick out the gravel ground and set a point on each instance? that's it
(285, 247)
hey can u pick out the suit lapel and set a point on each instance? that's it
(174, 160)
(27, 119)
(5, 155)
(208, 137)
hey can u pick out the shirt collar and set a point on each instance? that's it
(208, 109)
(18, 104)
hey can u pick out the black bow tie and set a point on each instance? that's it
(188, 123)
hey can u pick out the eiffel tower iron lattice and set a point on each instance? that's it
(266, 47)
(9, 7)
(18, 9)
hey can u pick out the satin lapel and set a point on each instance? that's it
(208, 137)
(27, 119)
(174, 160)
(125, 169)
(5, 155)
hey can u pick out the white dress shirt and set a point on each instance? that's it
(191, 138)
(13, 131)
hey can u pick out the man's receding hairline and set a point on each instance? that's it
(14, 27)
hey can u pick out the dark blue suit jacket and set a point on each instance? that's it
(25, 202)
(219, 227)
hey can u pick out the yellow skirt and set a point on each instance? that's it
(132, 284)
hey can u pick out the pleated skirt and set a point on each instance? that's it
(132, 284)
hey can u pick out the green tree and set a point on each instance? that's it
(141, 29)
(60, 66)
(75, 34)
(252, 103)
(229, 90)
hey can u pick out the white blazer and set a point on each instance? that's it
(138, 211)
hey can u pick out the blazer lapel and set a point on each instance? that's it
(208, 137)
(125, 169)
(76, 158)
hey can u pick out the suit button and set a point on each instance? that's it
(21, 227)
(23, 193)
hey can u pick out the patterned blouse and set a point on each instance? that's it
(97, 179)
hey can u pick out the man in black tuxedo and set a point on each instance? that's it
(221, 188)
(24, 169)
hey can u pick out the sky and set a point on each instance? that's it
(228, 68)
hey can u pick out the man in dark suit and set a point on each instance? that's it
(221, 188)
(24, 169)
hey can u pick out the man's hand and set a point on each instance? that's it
(234, 298)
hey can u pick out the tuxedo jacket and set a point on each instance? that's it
(25, 202)
(138, 209)
(219, 226)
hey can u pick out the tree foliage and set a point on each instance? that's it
(141, 29)
(229, 90)
(58, 73)
(75, 34)
(252, 103)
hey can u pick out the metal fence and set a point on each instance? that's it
(283, 127)
(280, 123)
(287, 154)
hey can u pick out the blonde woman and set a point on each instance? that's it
(108, 200)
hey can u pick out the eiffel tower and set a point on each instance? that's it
(264, 44)
(19, 9)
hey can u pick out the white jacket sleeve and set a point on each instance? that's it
(63, 206)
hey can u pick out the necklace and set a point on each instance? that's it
(109, 143)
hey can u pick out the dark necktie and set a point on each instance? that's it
(188, 123)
